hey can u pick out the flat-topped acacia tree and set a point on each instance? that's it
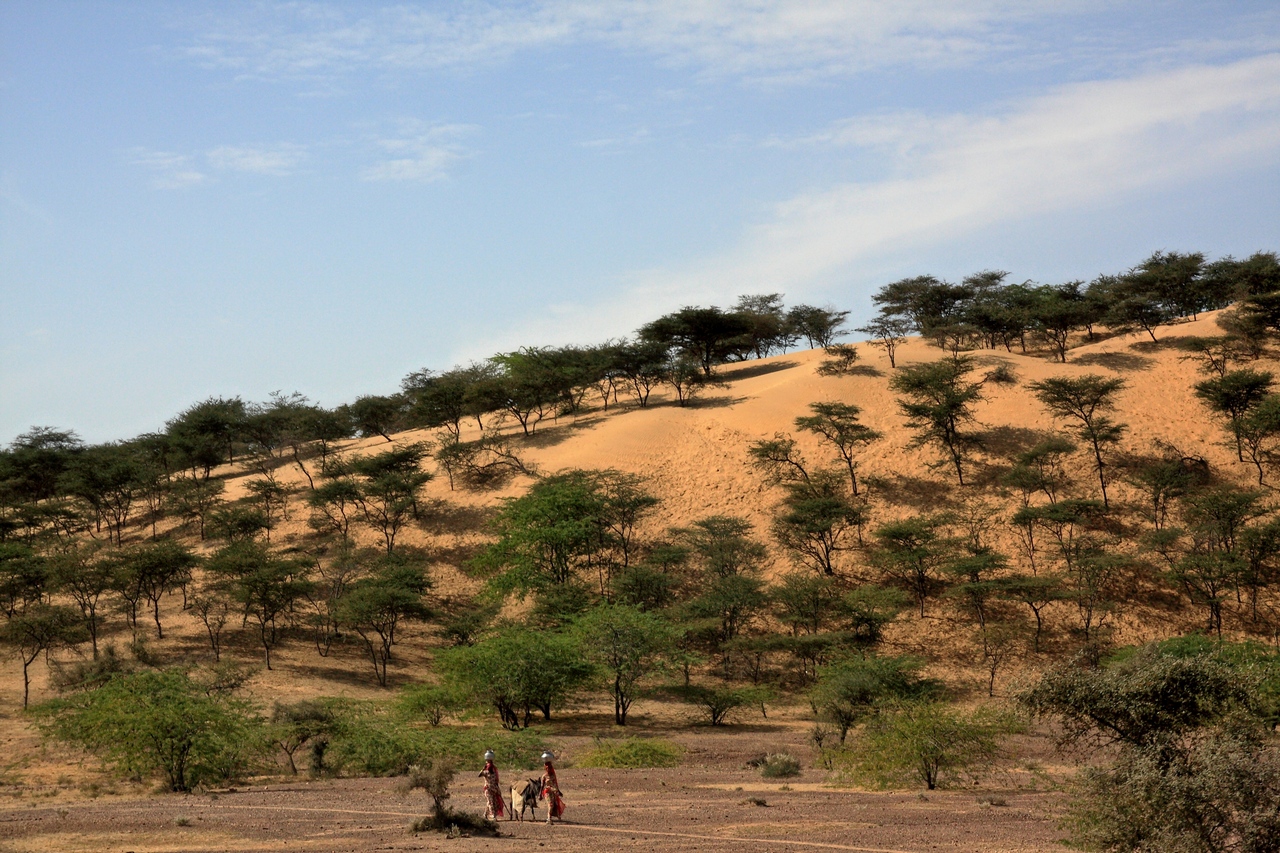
(1085, 400)
(938, 403)
(838, 424)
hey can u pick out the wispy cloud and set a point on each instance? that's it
(1083, 145)
(419, 152)
(169, 171)
(172, 171)
(281, 159)
(757, 38)
(1086, 143)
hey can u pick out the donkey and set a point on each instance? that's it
(526, 796)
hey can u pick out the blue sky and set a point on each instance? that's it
(238, 198)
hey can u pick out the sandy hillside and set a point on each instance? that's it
(695, 460)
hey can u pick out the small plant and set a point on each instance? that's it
(755, 801)
(823, 740)
(1002, 374)
(779, 765)
(632, 753)
(182, 820)
(840, 360)
(433, 776)
(455, 825)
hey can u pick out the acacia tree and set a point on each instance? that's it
(816, 518)
(374, 415)
(627, 644)
(164, 722)
(819, 326)
(1085, 400)
(37, 630)
(374, 607)
(388, 486)
(568, 525)
(155, 569)
(204, 435)
(1234, 394)
(266, 586)
(109, 479)
(196, 499)
(709, 336)
(849, 689)
(641, 365)
(912, 552)
(85, 577)
(888, 332)
(1057, 312)
(1258, 431)
(517, 671)
(1193, 770)
(939, 406)
(731, 591)
(437, 399)
(838, 424)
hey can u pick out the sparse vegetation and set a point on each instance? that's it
(631, 753)
(1070, 530)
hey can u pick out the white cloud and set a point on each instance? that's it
(1080, 146)
(778, 40)
(170, 171)
(418, 152)
(279, 160)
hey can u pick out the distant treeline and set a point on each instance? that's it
(985, 310)
(113, 480)
(679, 351)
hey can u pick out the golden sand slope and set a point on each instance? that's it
(696, 460)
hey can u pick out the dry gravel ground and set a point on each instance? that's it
(680, 809)
(713, 802)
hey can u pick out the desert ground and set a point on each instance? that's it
(695, 460)
(713, 802)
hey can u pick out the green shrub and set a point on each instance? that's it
(427, 702)
(162, 723)
(924, 742)
(780, 765)
(632, 753)
(718, 705)
(367, 739)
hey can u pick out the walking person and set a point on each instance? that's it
(494, 806)
(551, 789)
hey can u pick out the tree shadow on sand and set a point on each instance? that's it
(1006, 442)
(1121, 361)
(444, 518)
(918, 493)
(747, 371)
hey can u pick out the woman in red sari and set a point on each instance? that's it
(494, 806)
(551, 789)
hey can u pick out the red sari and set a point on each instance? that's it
(551, 793)
(494, 805)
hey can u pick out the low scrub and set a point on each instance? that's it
(924, 742)
(780, 765)
(632, 753)
(367, 740)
